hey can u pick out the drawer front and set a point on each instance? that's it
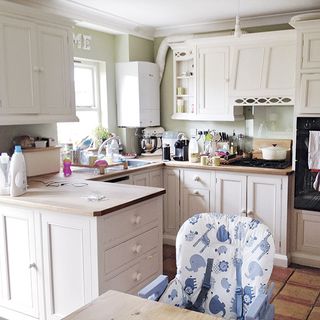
(133, 276)
(127, 223)
(196, 179)
(118, 256)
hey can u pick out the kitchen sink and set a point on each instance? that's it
(137, 163)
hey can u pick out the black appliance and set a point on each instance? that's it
(305, 196)
(181, 150)
(271, 164)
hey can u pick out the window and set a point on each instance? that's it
(87, 75)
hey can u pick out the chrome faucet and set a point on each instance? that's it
(106, 142)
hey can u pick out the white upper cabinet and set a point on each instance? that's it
(311, 50)
(36, 74)
(213, 83)
(263, 69)
(307, 65)
(19, 61)
(138, 94)
(55, 70)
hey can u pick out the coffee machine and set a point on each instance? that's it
(181, 150)
(151, 141)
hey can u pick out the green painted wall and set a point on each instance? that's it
(141, 49)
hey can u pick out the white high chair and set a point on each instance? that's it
(224, 263)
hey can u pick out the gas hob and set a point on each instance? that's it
(260, 163)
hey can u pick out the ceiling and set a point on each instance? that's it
(163, 17)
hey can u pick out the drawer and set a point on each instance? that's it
(196, 179)
(133, 276)
(129, 222)
(118, 256)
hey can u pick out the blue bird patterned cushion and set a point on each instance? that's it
(228, 239)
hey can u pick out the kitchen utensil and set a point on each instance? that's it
(274, 153)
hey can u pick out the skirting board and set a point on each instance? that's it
(305, 259)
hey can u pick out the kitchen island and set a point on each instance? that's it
(64, 243)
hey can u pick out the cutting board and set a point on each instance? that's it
(257, 144)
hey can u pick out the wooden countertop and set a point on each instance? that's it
(230, 168)
(114, 305)
(70, 195)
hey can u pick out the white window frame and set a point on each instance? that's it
(95, 67)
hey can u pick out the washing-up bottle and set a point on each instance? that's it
(4, 174)
(18, 175)
(114, 146)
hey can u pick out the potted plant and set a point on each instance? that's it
(100, 134)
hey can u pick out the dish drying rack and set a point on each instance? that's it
(101, 167)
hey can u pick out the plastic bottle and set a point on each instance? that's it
(4, 174)
(193, 150)
(114, 146)
(18, 176)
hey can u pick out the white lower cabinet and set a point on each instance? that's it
(66, 268)
(151, 178)
(171, 208)
(54, 263)
(305, 248)
(230, 193)
(260, 196)
(19, 263)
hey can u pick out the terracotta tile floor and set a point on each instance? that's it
(297, 289)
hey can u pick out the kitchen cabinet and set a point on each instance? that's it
(197, 191)
(213, 89)
(148, 178)
(257, 196)
(36, 60)
(60, 261)
(184, 82)
(305, 247)
(230, 196)
(19, 263)
(264, 69)
(138, 94)
(260, 196)
(171, 208)
(66, 269)
(307, 65)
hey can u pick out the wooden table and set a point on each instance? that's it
(115, 305)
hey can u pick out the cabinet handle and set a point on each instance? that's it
(196, 178)
(137, 248)
(250, 214)
(32, 265)
(136, 220)
(137, 276)
(196, 192)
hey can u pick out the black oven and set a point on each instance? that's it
(305, 196)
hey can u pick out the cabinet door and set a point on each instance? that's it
(310, 93)
(311, 50)
(141, 179)
(264, 203)
(18, 262)
(194, 201)
(156, 178)
(230, 193)
(280, 75)
(67, 263)
(213, 81)
(55, 68)
(248, 69)
(19, 72)
(171, 203)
